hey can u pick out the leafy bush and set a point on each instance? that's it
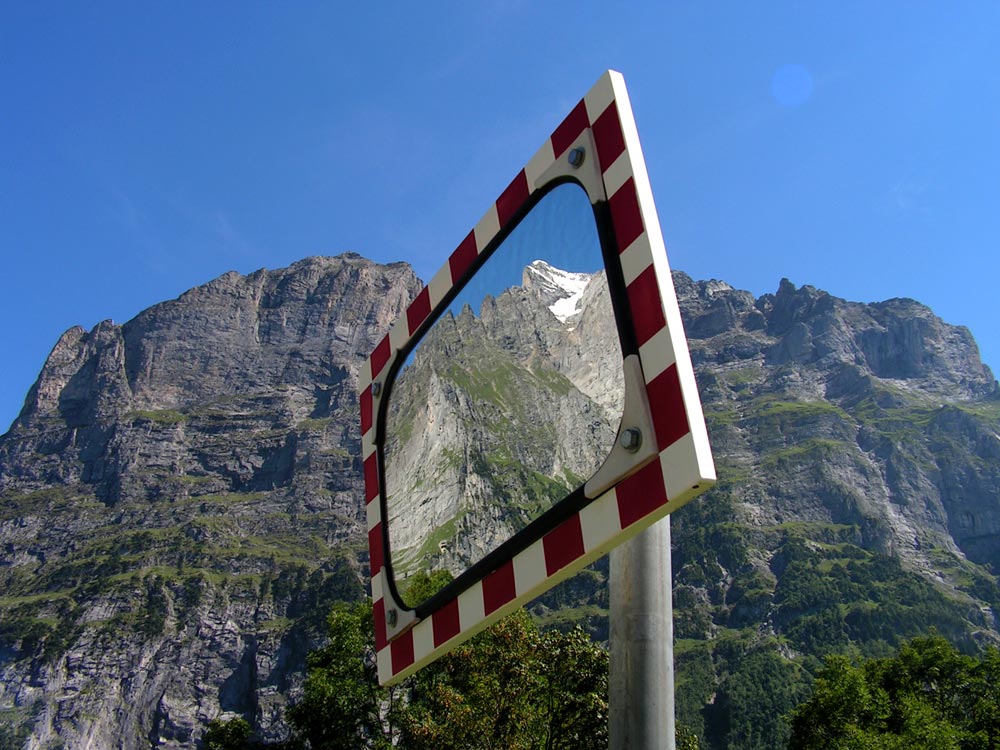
(928, 695)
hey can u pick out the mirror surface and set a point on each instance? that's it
(508, 403)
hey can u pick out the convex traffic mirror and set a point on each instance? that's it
(535, 406)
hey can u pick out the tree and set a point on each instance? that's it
(512, 687)
(574, 673)
(685, 738)
(233, 734)
(343, 707)
(927, 696)
(478, 695)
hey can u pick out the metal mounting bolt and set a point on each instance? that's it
(376, 389)
(576, 156)
(631, 439)
(392, 617)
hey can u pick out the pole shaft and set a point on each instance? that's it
(641, 681)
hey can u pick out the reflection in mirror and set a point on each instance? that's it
(510, 401)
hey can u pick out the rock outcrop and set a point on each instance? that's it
(876, 403)
(181, 497)
(180, 505)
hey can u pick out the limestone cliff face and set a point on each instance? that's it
(284, 343)
(857, 506)
(868, 409)
(181, 497)
(180, 505)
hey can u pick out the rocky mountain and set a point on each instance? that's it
(179, 505)
(858, 451)
(180, 498)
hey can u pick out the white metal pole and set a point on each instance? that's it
(641, 680)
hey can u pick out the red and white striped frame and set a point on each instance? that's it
(683, 467)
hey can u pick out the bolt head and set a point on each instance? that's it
(576, 157)
(376, 389)
(392, 617)
(631, 439)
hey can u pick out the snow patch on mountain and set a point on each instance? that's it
(561, 290)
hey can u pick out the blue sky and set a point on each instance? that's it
(147, 148)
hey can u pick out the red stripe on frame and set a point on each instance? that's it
(641, 494)
(401, 650)
(371, 478)
(647, 307)
(563, 544)
(463, 258)
(570, 128)
(608, 135)
(378, 614)
(375, 549)
(366, 409)
(498, 588)
(667, 405)
(418, 310)
(445, 623)
(625, 215)
(512, 198)
(380, 356)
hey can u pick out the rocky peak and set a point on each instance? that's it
(558, 290)
(234, 334)
(304, 328)
(898, 340)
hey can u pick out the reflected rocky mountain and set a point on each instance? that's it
(499, 415)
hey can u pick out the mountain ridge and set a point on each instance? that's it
(181, 499)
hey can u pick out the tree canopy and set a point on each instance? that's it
(511, 687)
(926, 696)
